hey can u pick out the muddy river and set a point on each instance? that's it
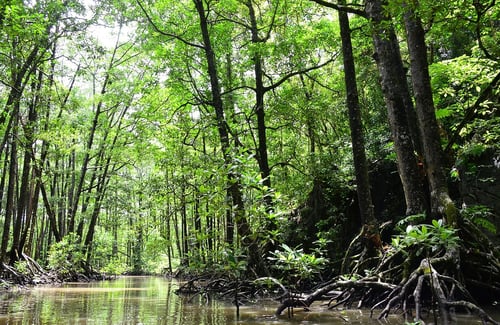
(151, 300)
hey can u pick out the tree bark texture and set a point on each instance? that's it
(27, 199)
(441, 203)
(395, 90)
(370, 231)
(356, 125)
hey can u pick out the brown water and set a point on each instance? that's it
(151, 300)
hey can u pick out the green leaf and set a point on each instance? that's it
(443, 112)
(437, 223)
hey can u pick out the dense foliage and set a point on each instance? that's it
(154, 136)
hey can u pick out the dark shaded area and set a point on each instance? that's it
(479, 173)
(332, 209)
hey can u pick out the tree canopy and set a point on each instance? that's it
(153, 136)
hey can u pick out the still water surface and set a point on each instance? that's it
(151, 300)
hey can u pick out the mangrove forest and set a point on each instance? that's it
(305, 151)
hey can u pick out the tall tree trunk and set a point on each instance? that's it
(356, 125)
(260, 92)
(49, 211)
(168, 235)
(73, 206)
(197, 225)
(234, 187)
(370, 231)
(441, 203)
(11, 191)
(89, 238)
(229, 222)
(395, 90)
(102, 182)
(20, 73)
(4, 176)
(75, 196)
(57, 228)
(26, 194)
(22, 204)
(178, 239)
(32, 211)
(101, 171)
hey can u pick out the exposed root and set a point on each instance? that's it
(424, 287)
(10, 273)
(32, 273)
(238, 291)
(399, 282)
(436, 282)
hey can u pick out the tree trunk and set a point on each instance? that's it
(234, 188)
(39, 100)
(260, 91)
(50, 213)
(12, 132)
(441, 203)
(178, 239)
(395, 90)
(73, 207)
(27, 199)
(197, 226)
(56, 228)
(22, 204)
(230, 104)
(168, 235)
(184, 227)
(11, 190)
(355, 123)
(75, 195)
(102, 170)
(371, 235)
(100, 192)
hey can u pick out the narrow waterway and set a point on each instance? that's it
(151, 300)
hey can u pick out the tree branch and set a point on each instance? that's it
(471, 112)
(271, 25)
(162, 32)
(346, 8)
(294, 73)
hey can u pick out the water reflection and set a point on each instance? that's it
(151, 300)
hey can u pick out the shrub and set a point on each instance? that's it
(67, 257)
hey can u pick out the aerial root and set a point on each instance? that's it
(32, 274)
(371, 291)
(440, 292)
